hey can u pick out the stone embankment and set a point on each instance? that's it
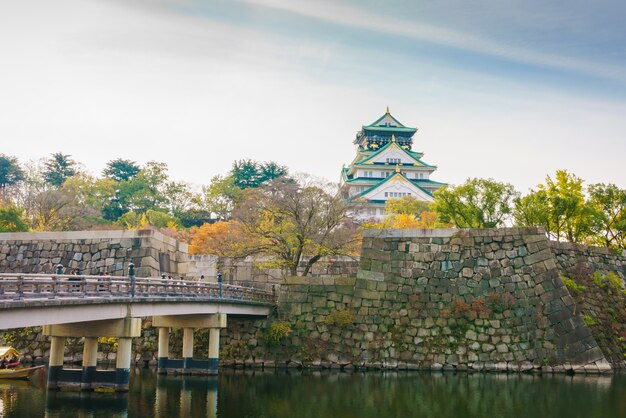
(93, 252)
(448, 299)
(479, 300)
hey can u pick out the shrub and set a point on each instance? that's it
(277, 333)
(589, 319)
(615, 280)
(479, 305)
(500, 303)
(572, 285)
(598, 279)
(460, 308)
(341, 318)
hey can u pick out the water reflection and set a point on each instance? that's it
(186, 396)
(279, 394)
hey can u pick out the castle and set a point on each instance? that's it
(386, 167)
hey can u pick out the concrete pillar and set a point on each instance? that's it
(214, 349)
(187, 348)
(90, 357)
(164, 350)
(122, 367)
(57, 351)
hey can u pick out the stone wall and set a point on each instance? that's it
(434, 299)
(93, 252)
(251, 272)
(494, 299)
(596, 279)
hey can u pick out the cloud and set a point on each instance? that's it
(360, 18)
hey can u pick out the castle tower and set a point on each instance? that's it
(386, 167)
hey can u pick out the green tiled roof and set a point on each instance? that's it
(375, 186)
(389, 129)
(387, 145)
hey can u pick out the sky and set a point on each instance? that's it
(510, 89)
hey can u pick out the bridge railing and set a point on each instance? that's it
(19, 287)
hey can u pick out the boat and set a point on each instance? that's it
(14, 370)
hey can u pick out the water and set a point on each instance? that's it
(283, 394)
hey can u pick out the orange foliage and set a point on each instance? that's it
(427, 219)
(210, 238)
(407, 221)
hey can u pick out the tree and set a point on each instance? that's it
(90, 191)
(404, 213)
(406, 205)
(289, 221)
(569, 215)
(560, 207)
(178, 197)
(10, 171)
(121, 170)
(533, 210)
(56, 210)
(219, 197)
(477, 203)
(140, 193)
(58, 168)
(154, 218)
(217, 238)
(12, 219)
(249, 173)
(609, 202)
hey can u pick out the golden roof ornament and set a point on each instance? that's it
(387, 108)
(397, 168)
(393, 138)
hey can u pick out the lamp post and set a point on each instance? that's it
(219, 283)
(131, 276)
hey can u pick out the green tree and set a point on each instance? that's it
(121, 170)
(178, 197)
(12, 219)
(609, 202)
(10, 171)
(570, 216)
(140, 193)
(560, 207)
(249, 173)
(90, 191)
(533, 210)
(58, 168)
(477, 203)
(219, 197)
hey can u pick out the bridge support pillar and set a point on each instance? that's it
(187, 350)
(189, 323)
(164, 350)
(122, 366)
(57, 352)
(214, 349)
(90, 358)
(89, 378)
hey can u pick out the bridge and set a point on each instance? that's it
(89, 307)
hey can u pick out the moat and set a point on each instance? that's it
(278, 394)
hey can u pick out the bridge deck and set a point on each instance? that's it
(36, 299)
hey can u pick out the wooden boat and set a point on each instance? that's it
(19, 372)
(14, 370)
